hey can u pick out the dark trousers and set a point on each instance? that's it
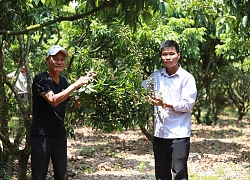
(171, 156)
(42, 149)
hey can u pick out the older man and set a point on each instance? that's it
(48, 135)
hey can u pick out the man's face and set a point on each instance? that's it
(23, 69)
(57, 62)
(170, 57)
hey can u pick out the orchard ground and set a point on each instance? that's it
(218, 152)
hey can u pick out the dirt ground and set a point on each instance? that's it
(217, 152)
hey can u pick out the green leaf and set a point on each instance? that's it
(82, 6)
(147, 17)
(162, 7)
(220, 30)
(36, 2)
(92, 3)
(168, 8)
(48, 2)
(43, 1)
(119, 127)
(244, 31)
(234, 3)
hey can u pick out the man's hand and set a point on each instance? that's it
(91, 74)
(156, 101)
(85, 79)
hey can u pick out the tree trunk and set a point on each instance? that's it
(147, 134)
(24, 154)
(23, 162)
(10, 151)
(4, 130)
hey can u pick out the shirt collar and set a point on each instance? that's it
(164, 72)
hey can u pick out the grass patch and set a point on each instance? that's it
(142, 167)
(88, 150)
(194, 176)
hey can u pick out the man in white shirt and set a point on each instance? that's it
(173, 94)
(21, 83)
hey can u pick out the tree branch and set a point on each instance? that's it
(149, 136)
(9, 145)
(59, 19)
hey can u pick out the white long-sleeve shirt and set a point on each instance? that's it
(179, 90)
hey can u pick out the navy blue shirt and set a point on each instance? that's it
(47, 119)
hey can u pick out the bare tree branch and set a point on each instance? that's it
(12, 148)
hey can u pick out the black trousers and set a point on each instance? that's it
(171, 157)
(42, 149)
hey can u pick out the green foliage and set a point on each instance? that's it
(239, 11)
(115, 101)
(49, 12)
(235, 49)
(238, 90)
(213, 35)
